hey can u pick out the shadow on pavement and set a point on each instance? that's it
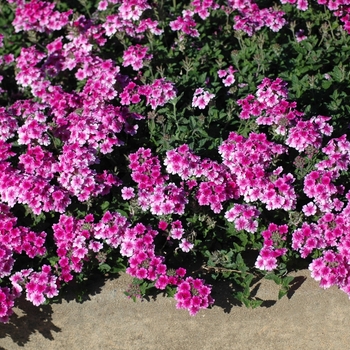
(295, 285)
(29, 319)
(223, 294)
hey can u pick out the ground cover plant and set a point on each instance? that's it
(150, 136)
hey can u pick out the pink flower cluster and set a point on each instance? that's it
(331, 230)
(157, 93)
(331, 236)
(201, 98)
(134, 56)
(138, 245)
(39, 16)
(252, 18)
(227, 75)
(319, 186)
(301, 4)
(153, 192)
(331, 269)
(309, 133)
(272, 248)
(128, 19)
(185, 24)
(307, 238)
(6, 260)
(182, 162)
(339, 8)
(17, 239)
(202, 7)
(76, 175)
(244, 216)
(193, 295)
(217, 184)
(6, 304)
(38, 285)
(337, 154)
(249, 159)
(77, 240)
(271, 107)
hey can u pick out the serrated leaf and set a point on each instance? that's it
(170, 291)
(122, 212)
(104, 267)
(337, 74)
(273, 277)
(256, 303)
(308, 46)
(104, 205)
(287, 280)
(246, 302)
(282, 293)
(202, 78)
(326, 84)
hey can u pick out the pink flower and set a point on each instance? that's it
(162, 225)
(185, 245)
(309, 209)
(228, 73)
(201, 98)
(300, 35)
(128, 193)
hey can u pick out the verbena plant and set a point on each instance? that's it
(150, 136)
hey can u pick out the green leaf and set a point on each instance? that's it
(308, 46)
(202, 78)
(338, 74)
(255, 303)
(246, 302)
(104, 268)
(170, 291)
(287, 280)
(105, 205)
(273, 277)
(53, 260)
(122, 212)
(282, 293)
(193, 122)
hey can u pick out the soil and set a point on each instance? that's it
(308, 318)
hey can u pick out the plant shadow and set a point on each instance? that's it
(223, 293)
(82, 291)
(265, 303)
(295, 285)
(28, 319)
